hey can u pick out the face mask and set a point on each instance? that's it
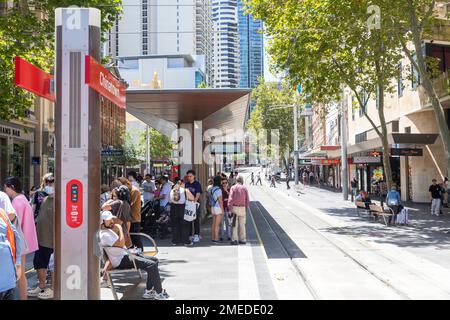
(49, 190)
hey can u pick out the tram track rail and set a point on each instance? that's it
(358, 262)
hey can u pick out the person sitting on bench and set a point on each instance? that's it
(113, 241)
(364, 197)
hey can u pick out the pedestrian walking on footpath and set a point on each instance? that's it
(181, 229)
(217, 210)
(225, 227)
(288, 179)
(196, 189)
(238, 202)
(435, 195)
(13, 188)
(136, 206)
(272, 181)
(10, 257)
(252, 179)
(446, 186)
(258, 179)
(45, 233)
(354, 185)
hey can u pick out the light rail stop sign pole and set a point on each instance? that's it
(78, 152)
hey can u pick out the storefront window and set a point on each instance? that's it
(20, 162)
(3, 158)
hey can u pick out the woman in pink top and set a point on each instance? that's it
(13, 188)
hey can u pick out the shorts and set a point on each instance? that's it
(41, 258)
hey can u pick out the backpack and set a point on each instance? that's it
(212, 201)
(9, 234)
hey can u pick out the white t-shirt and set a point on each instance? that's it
(165, 193)
(5, 203)
(147, 187)
(182, 196)
(115, 254)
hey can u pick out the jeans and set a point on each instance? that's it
(435, 206)
(181, 229)
(8, 294)
(225, 226)
(149, 265)
(196, 223)
(136, 240)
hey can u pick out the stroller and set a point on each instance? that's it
(154, 221)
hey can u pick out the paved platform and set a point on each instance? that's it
(307, 245)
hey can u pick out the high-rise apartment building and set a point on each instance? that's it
(226, 44)
(251, 49)
(162, 27)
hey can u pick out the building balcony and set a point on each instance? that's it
(441, 85)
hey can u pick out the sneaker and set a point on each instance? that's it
(34, 292)
(46, 294)
(242, 242)
(190, 244)
(162, 296)
(149, 294)
(104, 283)
(234, 243)
(215, 241)
(196, 238)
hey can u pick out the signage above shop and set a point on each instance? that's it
(112, 152)
(408, 152)
(102, 81)
(33, 79)
(363, 160)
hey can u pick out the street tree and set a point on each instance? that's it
(272, 112)
(160, 145)
(27, 30)
(327, 46)
(413, 21)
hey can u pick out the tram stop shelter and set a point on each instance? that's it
(194, 111)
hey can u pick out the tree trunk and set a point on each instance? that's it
(384, 139)
(428, 86)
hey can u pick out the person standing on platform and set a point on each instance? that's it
(196, 189)
(136, 206)
(225, 226)
(10, 257)
(216, 204)
(13, 187)
(149, 188)
(238, 202)
(181, 228)
(40, 194)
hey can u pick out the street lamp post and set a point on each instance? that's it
(147, 139)
(343, 149)
(295, 145)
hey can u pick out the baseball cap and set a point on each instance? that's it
(107, 215)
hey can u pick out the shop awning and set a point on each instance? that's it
(320, 152)
(394, 138)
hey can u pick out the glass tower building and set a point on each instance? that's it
(251, 49)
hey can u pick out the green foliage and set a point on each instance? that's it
(160, 144)
(270, 114)
(132, 152)
(27, 30)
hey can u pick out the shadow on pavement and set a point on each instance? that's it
(277, 243)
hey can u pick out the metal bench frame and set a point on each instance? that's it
(133, 257)
(378, 210)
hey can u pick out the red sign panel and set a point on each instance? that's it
(74, 203)
(102, 81)
(33, 79)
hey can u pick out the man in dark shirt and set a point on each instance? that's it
(196, 189)
(435, 194)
